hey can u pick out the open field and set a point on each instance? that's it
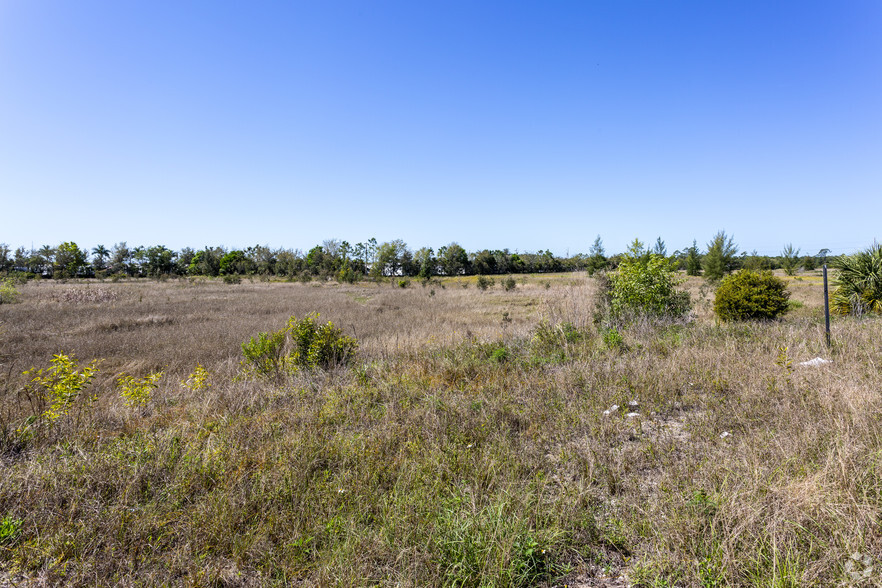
(466, 446)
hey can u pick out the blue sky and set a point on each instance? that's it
(520, 125)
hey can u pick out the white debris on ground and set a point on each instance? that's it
(816, 361)
(611, 410)
(632, 415)
(725, 434)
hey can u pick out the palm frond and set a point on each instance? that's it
(858, 287)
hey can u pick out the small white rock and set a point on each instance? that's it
(632, 415)
(815, 362)
(611, 410)
(725, 434)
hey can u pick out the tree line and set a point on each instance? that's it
(338, 259)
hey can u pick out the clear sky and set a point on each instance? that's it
(520, 125)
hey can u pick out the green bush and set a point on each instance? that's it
(319, 346)
(509, 284)
(645, 286)
(750, 295)
(347, 275)
(484, 282)
(858, 287)
(302, 343)
(264, 353)
(8, 291)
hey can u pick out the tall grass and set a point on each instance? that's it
(461, 449)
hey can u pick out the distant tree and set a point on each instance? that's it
(370, 251)
(483, 262)
(120, 256)
(235, 263)
(5, 258)
(139, 259)
(183, 260)
(20, 259)
(424, 258)
(789, 259)
(453, 259)
(638, 251)
(755, 261)
(100, 254)
(393, 259)
(809, 263)
(331, 247)
(517, 264)
(262, 258)
(43, 260)
(70, 260)
(720, 257)
(206, 262)
(503, 261)
(315, 259)
(660, 248)
(822, 255)
(597, 260)
(693, 260)
(290, 263)
(159, 260)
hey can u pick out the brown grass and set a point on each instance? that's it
(461, 449)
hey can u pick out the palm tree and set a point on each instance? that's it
(45, 258)
(101, 253)
(859, 283)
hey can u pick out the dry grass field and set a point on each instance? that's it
(467, 445)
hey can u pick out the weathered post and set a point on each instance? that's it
(826, 306)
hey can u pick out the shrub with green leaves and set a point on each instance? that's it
(751, 295)
(303, 343)
(136, 392)
(858, 287)
(484, 282)
(645, 286)
(264, 353)
(198, 380)
(8, 291)
(319, 345)
(61, 383)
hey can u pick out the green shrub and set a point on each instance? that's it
(613, 339)
(720, 257)
(61, 384)
(750, 295)
(484, 282)
(264, 353)
(136, 392)
(347, 275)
(8, 291)
(302, 343)
(858, 287)
(509, 284)
(645, 286)
(319, 346)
